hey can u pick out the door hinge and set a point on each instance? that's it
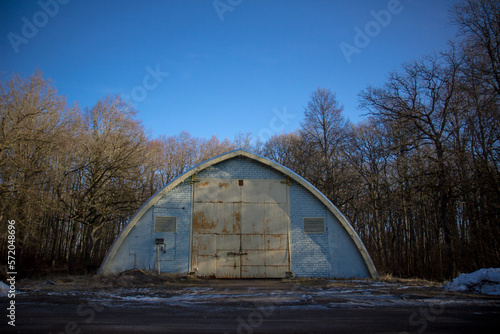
(287, 181)
(193, 180)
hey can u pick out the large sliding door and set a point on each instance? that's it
(240, 228)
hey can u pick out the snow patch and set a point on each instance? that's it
(483, 281)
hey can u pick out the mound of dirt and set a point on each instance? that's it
(137, 277)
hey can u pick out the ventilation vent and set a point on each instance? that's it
(314, 225)
(166, 224)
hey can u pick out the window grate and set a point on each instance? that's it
(166, 224)
(314, 225)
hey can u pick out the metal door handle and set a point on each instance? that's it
(237, 253)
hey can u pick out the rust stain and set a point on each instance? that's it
(195, 252)
(201, 222)
(204, 184)
(237, 222)
(204, 246)
(224, 185)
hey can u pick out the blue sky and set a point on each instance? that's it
(218, 67)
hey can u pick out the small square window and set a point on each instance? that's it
(166, 224)
(314, 225)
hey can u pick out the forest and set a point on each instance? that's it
(418, 178)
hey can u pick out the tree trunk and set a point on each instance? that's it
(72, 250)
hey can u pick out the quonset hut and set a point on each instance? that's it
(240, 215)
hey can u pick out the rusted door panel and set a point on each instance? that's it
(228, 266)
(264, 218)
(275, 241)
(251, 242)
(275, 271)
(205, 218)
(206, 244)
(217, 191)
(204, 191)
(229, 218)
(206, 266)
(254, 272)
(253, 253)
(277, 192)
(276, 219)
(228, 263)
(205, 256)
(264, 191)
(252, 216)
(253, 258)
(228, 242)
(277, 257)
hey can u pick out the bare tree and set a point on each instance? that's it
(479, 22)
(324, 129)
(243, 140)
(422, 98)
(209, 148)
(111, 150)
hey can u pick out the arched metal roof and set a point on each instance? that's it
(220, 158)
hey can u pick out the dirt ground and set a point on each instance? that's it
(138, 302)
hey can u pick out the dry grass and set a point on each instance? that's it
(388, 278)
(128, 279)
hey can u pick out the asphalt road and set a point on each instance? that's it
(64, 319)
(254, 307)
